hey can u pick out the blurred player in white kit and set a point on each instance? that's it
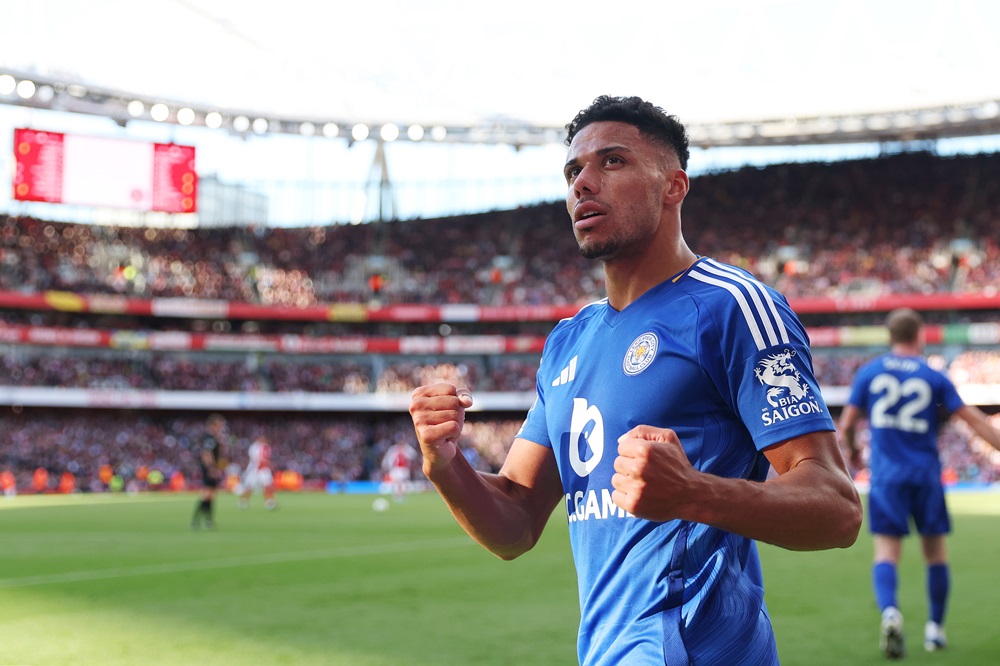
(397, 464)
(258, 475)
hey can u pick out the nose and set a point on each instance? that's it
(588, 181)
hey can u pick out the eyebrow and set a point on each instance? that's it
(600, 152)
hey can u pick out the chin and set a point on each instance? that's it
(597, 251)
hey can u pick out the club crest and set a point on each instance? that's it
(640, 354)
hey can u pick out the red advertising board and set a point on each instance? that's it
(103, 172)
(38, 171)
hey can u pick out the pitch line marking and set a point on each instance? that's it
(228, 562)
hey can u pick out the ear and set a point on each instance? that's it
(677, 187)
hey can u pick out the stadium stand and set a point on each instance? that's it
(130, 315)
(910, 223)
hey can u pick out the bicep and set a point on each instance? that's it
(819, 448)
(812, 503)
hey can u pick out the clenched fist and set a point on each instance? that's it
(653, 477)
(438, 412)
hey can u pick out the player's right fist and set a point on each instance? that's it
(438, 412)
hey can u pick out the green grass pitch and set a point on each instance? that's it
(118, 580)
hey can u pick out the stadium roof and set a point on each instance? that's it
(738, 73)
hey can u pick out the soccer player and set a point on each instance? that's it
(258, 475)
(396, 464)
(903, 399)
(211, 458)
(658, 413)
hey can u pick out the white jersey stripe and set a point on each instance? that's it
(744, 306)
(756, 286)
(733, 275)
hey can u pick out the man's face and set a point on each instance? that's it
(615, 179)
(217, 427)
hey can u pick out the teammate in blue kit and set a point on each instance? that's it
(906, 401)
(658, 413)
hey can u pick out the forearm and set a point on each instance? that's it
(851, 440)
(980, 423)
(486, 506)
(504, 512)
(988, 433)
(809, 507)
(846, 427)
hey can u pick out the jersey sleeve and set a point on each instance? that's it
(951, 400)
(535, 427)
(757, 352)
(859, 388)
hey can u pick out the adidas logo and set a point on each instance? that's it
(567, 374)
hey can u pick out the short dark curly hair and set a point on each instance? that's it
(651, 120)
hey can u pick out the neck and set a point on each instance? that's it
(628, 279)
(907, 349)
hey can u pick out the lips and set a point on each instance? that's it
(586, 213)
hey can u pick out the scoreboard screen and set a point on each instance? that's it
(104, 172)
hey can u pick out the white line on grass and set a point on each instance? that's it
(227, 562)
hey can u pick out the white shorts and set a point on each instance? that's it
(399, 474)
(257, 479)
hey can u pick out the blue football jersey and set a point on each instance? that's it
(905, 400)
(721, 359)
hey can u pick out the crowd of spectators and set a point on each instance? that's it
(21, 366)
(976, 367)
(322, 449)
(909, 223)
(361, 374)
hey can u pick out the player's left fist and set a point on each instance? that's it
(652, 473)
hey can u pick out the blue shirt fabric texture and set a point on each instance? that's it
(906, 401)
(720, 358)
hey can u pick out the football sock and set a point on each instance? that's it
(884, 579)
(938, 584)
(202, 508)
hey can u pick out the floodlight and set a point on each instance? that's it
(389, 132)
(26, 89)
(185, 116)
(415, 132)
(990, 109)
(159, 112)
(359, 132)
